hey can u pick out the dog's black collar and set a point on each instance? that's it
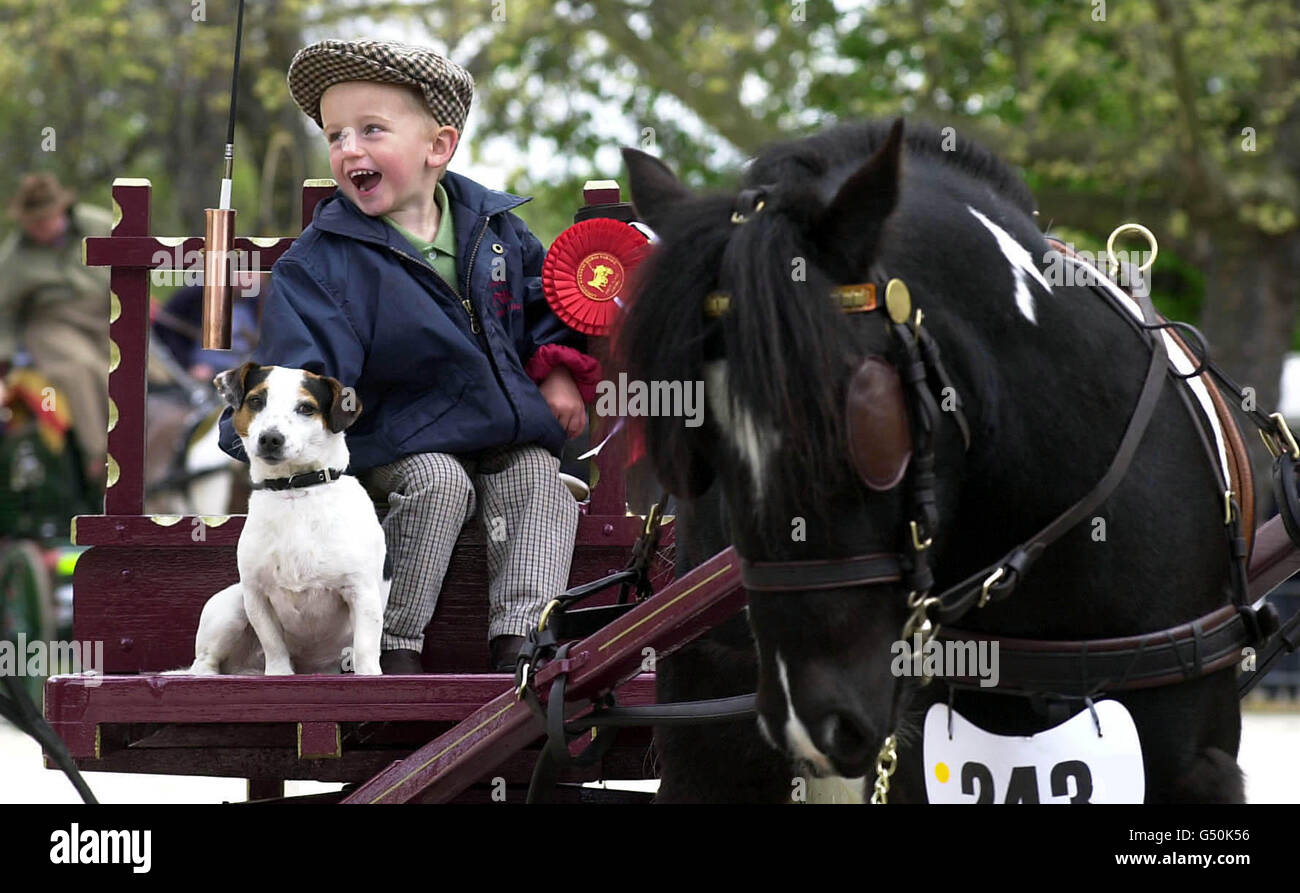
(300, 480)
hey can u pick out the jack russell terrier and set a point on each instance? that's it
(312, 587)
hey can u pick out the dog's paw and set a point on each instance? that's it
(198, 668)
(278, 669)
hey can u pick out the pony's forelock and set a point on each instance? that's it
(787, 348)
(782, 339)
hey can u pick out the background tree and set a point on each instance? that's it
(1183, 115)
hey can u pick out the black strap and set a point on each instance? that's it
(959, 599)
(1285, 641)
(774, 576)
(17, 707)
(555, 752)
(682, 713)
(1286, 491)
(579, 623)
(301, 479)
(947, 390)
(924, 417)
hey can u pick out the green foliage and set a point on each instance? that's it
(1147, 114)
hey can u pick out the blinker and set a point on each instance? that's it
(876, 424)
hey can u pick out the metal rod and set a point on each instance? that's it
(219, 235)
(228, 172)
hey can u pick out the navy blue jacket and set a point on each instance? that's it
(352, 299)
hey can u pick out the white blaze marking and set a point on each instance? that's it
(1021, 264)
(796, 734)
(755, 445)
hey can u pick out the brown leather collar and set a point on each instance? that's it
(1090, 666)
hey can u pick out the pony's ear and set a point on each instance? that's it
(849, 228)
(654, 187)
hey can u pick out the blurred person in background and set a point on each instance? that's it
(57, 308)
(178, 324)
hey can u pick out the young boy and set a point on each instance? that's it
(419, 288)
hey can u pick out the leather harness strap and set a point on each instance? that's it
(781, 576)
(959, 599)
(1089, 666)
(1240, 476)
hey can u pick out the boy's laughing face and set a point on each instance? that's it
(385, 154)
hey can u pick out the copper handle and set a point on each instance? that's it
(218, 292)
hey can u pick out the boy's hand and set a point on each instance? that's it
(562, 397)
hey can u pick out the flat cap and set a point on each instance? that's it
(39, 195)
(447, 87)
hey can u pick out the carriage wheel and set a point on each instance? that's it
(26, 601)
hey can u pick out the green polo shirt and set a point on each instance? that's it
(441, 252)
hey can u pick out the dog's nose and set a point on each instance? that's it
(270, 441)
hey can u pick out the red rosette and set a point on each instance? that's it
(586, 272)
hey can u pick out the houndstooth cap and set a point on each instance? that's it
(447, 87)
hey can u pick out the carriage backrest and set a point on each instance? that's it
(141, 588)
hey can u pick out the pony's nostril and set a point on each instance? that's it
(843, 739)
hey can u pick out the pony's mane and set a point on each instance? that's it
(848, 145)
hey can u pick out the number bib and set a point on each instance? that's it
(1070, 763)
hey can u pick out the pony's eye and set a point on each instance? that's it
(306, 409)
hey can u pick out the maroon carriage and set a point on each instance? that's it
(458, 732)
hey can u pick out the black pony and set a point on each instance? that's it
(1047, 376)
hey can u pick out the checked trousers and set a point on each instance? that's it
(529, 521)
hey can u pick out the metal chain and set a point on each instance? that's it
(886, 763)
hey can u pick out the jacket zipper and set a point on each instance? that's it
(469, 268)
(464, 302)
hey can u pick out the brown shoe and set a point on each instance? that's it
(505, 651)
(400, 662)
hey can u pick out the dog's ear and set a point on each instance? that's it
(233, 384)
(345, 405)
